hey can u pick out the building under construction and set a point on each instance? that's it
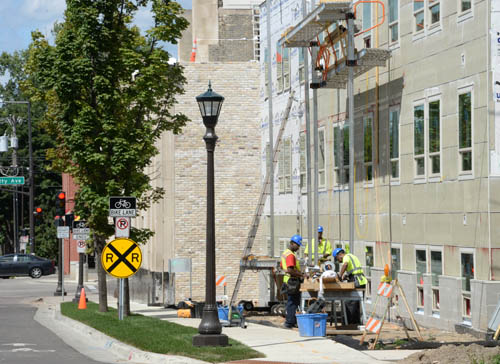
(426, 143)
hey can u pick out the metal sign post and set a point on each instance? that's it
(121, 258)
(121, 305)
(81, 233)
(62, 272)
(62, 233)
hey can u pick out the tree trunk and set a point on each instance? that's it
(101, 277)
(126, 310)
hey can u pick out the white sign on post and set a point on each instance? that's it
(81, 231)
(122, 227)
(80, 246)
(63, 232)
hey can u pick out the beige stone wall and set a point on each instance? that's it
(237, 176)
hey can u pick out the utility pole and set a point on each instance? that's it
(31, 183)
(14, 144)
(31, 174)
(308, 144)
(271, 143)
(351, 63)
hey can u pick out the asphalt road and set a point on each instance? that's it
(22, 339)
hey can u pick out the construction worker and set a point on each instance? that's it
(352, 271)
(293, 276)
(324, 247)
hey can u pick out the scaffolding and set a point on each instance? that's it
(340, 73)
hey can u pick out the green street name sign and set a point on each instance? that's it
(11, 181)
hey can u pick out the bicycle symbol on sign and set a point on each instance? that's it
(122, 204)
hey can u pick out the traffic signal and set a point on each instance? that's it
(58, 221)
(38, 215)
(69, 218)
(61, 203)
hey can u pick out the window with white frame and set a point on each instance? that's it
(394, 141)
(395, 260)
(467, 273)
(321, 159)
(285, 167)
(419, 140)
(345, 176)
(465, 5)
(465, 132)
(434, 12)
(418, 15)
(421, 268)
(368, 146)
(341, 154)
(393, 21)
(434, 137)
(279, 247)
(367, 23)
(303, 171)
(279, 68)
(286, 68)
(436, 271)
(302, 75)
(369, 264)
(337, 154)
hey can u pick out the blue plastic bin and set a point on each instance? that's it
(224, 312)
(312, 324)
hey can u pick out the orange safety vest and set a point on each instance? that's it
(285, 254)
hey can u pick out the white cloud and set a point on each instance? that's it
(43, 10)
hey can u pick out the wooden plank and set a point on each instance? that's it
(328, 284)
(343, 332)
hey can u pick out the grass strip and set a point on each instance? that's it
(154, 335)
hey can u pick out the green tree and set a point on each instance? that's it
(46, 181)
(110, 93)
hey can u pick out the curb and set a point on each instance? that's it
(125, 352)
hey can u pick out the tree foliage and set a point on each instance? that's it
(46, 182)
(110, 93)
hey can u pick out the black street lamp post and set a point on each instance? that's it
(210, 328)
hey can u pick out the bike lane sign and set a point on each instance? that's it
(122, 206)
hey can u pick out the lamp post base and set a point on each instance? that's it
(210, 340)
(59, 293)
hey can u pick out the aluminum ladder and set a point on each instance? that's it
(260, 205)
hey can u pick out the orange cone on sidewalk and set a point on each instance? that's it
(193, 51)
(82, 305)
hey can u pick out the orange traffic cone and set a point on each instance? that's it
(193, 52)
(82, 305)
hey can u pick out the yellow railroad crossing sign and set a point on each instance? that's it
(121, 258)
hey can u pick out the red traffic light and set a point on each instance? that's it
(61, 196)
(38, 210)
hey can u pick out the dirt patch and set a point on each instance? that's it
(452, 354)
(438, 346)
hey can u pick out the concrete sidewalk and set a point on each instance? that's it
(278, 345)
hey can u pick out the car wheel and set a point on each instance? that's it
(248, 306)
(281, 310)
(36, 272)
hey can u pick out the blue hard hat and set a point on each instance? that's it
(337, 251)
(320, 229)
(297, 239)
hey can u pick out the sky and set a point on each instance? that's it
(18, 18)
